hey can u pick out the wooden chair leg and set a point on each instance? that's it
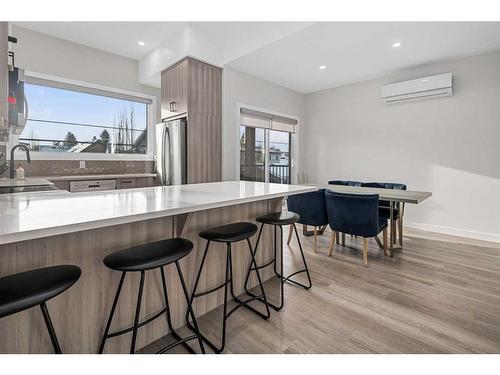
(384, 234)
(332, 244)
(343, 239)
(365, 251)
(393, 232)
(290, 232)
(400, 231)
(315, 239)
(337, 238)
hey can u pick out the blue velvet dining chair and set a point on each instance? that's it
(345, 183)
(384, 208)
(357, 215)
(312, 211)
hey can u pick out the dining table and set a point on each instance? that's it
(394, 196)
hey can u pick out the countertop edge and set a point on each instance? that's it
(24, 182)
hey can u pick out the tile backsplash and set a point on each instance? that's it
(72, 167)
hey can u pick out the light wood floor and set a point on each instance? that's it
(440, 295)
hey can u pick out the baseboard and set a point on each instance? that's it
(454, 231)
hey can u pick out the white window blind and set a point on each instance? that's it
(84, 89)
(257, 119)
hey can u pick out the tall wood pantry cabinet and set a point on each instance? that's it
(193, 89)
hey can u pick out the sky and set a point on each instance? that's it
(48, 103)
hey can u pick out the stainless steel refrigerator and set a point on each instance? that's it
(171, 155)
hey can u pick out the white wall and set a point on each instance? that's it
(45, 54)
(449, 146)
(238, 87)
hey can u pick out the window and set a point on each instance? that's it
(265, 147)
(69, 119)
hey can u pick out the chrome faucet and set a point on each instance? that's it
(12, 161)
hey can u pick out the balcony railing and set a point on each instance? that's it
(278, 173)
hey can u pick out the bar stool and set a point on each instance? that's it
(278, 219)
(144, 258)
(24, 290)
(229, 234)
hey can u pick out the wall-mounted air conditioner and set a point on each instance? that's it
(422, 88)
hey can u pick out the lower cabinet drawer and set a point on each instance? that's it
(126, 183)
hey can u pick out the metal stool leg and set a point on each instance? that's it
(108, 325)
(272, 261)
(261, 297)
(228, 284)
(189, 307)
(50, 328)
(167, 304)
(229, 279)
(179, 339)
(195, 295)
(137, 313)
(306, 269)
(250, 267)
(268, 313)
(200, 270)
(281, 276)
(138, 324)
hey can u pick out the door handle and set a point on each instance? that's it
(167, 164)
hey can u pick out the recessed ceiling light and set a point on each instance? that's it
(141, 43)
(396, 45)
(322, 67)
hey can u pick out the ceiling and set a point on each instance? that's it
(289, 53)
(120, 38)
(358, 51)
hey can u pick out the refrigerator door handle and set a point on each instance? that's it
(167, 161)
(163, 138)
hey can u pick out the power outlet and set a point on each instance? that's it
(82, 164)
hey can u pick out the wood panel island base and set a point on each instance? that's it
(33, 236)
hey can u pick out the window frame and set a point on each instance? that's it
(294, 139)
(102, 90)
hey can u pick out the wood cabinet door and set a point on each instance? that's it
(174, 90)
(147, 182)
(166, 94)
(126, 183)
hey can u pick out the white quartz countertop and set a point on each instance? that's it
(30, 216)
(35, 181)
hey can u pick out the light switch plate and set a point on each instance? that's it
(82, 164)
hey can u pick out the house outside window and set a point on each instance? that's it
(71, 120)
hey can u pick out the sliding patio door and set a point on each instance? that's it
(252, 154)
(265, 147)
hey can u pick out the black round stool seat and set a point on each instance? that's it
(149, 256)
(279, 218)
(24, 290)
(230, 232)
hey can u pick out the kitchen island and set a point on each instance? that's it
(49, 228)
